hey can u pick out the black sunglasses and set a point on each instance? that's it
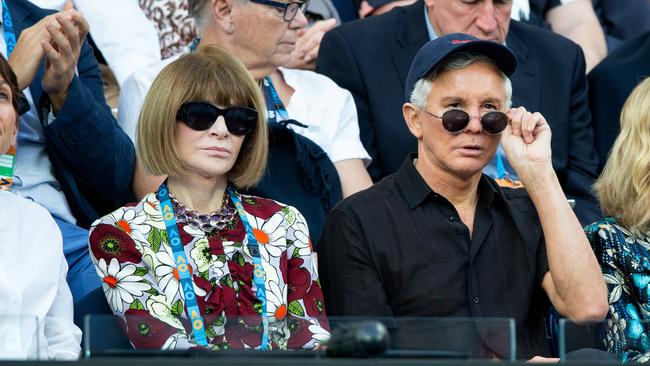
(290, 8)
(455, 121)
(200, 116)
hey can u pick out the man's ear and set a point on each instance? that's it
(221, 11)
(412, 116)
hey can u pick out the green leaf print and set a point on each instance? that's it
(296, 309)
(155, 239)
(141, 271)
(209, 331)
(136, 305)
(177, 308)
(220, 321)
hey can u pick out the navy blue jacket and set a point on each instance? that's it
(371, 58)
(92, 158)
(611, 82)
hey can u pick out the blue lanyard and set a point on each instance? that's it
(186, 279)
(275, 107)
(258, 270)
(10, 36)
(501, 168)
(193, 311)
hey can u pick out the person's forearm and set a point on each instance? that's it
(577, 21)
(581, 292)
(589, 36)
(353, 175)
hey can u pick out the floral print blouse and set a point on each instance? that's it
(134, 260)
(625, 263)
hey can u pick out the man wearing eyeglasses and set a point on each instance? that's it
(441, 239)
(371, 58)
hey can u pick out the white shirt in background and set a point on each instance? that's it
(33, 285)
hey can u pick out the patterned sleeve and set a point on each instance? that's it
(128, 252)
(625, 334)
(307, 324)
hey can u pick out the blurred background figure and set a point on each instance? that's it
(33, 288)
(610, 83)
(622, 240)
(573, 19)
(378, 7)
(71, 157)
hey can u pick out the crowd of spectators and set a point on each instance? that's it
(189, 158)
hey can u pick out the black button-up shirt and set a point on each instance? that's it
(400, 249)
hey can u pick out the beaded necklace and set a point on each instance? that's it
(217, 219)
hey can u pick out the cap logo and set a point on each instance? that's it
(457, 41)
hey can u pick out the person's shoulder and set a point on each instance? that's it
(313, 84)
(146, 75)
(19, 207)
(539, 39)
(311, 80)
(148, 207)
(265, 208)
(605, 230)
(375, 28)
(635, 51)
(375, 196)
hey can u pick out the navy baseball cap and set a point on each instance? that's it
(436, 51)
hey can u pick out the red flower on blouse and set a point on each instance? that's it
(260, 207)
(108, 241)
(299, 280)
(145, 331)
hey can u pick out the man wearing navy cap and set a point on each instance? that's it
(441, 239)
(371, 59)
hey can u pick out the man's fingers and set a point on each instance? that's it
(81, 23)
(322, 26)
(59, 40)
(68, 5)
(52, 55)
(516, 115)
(70, 32)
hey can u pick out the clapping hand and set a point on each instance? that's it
(308, 45)
(67, 31)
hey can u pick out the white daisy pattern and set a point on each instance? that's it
(145, 281)
(120, 284)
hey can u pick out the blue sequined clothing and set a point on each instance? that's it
(625, 263)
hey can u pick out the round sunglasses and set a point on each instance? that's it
(200, 116)
(455, 121)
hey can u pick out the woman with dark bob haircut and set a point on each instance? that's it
(196, 263)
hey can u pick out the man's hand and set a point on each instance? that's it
(28, 53)
(308, 44)
(527, 141)
(540, 359)
(67, 31)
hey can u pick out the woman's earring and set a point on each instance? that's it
(231, 29)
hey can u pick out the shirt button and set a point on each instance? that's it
(476, 300)
(452, 218)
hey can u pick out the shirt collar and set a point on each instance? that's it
(415, 190)
(427, 21)
(430, 31)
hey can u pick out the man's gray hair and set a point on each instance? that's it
(195, 10)
(461, 60)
